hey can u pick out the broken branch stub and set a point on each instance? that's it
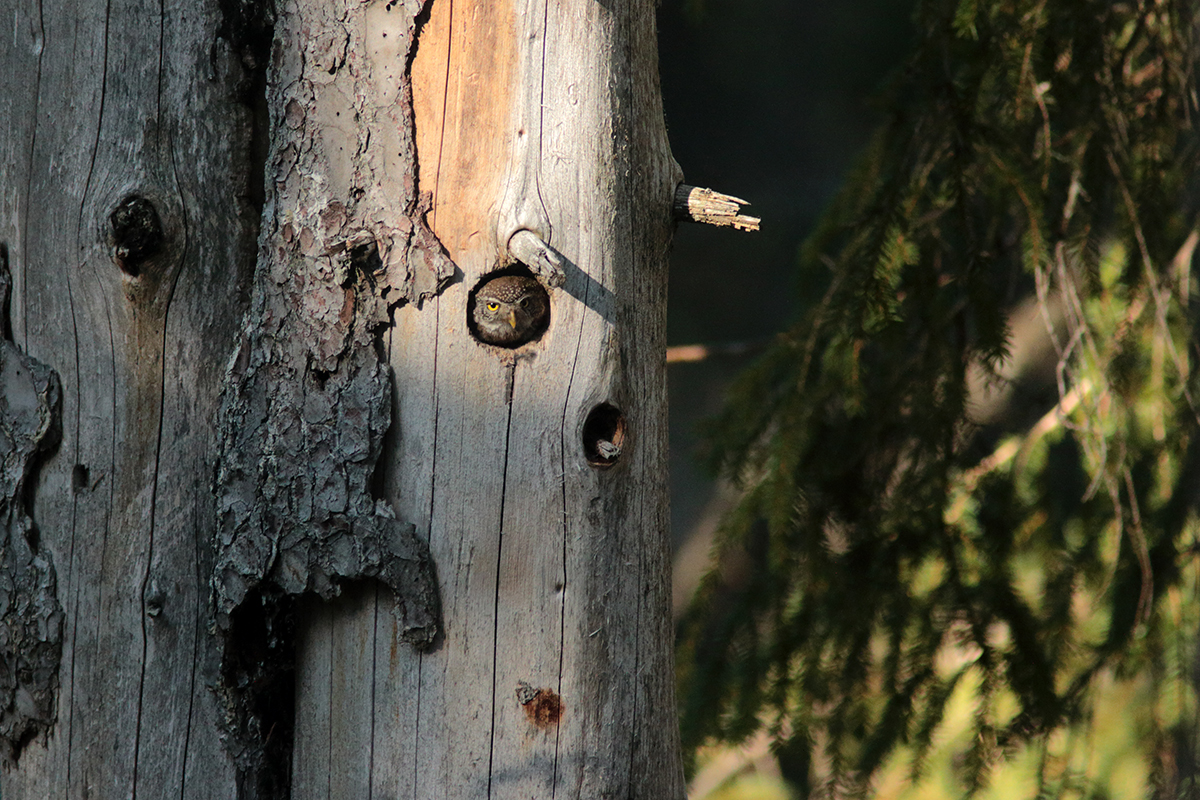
(545, 262)
(696, 204)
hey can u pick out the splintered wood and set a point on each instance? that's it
(697, 204)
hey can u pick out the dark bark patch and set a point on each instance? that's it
(248, 25)
(30, 615)
(307, 401)
(257, 689)
(297, 513)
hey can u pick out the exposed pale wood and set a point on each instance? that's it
(695, 204)
(453, 737)
(351, 730)
(432, 735)
(463, 75)
(334, 695)
(408, 478)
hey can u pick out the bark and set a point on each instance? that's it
(307, 398)
(310, 536)
(30, 614)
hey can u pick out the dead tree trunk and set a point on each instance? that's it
(278, 521)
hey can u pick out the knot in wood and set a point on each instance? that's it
(137, 233)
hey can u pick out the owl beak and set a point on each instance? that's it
(512, 319)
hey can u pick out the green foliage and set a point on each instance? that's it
(888, 551)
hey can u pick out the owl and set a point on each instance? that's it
(511, 310)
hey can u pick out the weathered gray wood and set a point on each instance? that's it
(311, 775)
(334, 696)
(18, 94)
(408, 478)
(453, 737)
(117, 99)
(40, 230)
(656, 758)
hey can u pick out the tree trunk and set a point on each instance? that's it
(293, 527)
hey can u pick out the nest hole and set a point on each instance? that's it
(604, 435)
(529, 334)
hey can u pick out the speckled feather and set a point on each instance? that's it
(511, 310)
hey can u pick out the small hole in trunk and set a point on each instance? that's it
(604, 435)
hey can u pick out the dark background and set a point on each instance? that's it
(768, 100)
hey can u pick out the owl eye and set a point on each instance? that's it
(493, 305)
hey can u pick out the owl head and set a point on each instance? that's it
(510, 310)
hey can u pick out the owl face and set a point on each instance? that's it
(510, 310)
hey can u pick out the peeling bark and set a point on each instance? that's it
(307, 398)
(30, 615)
